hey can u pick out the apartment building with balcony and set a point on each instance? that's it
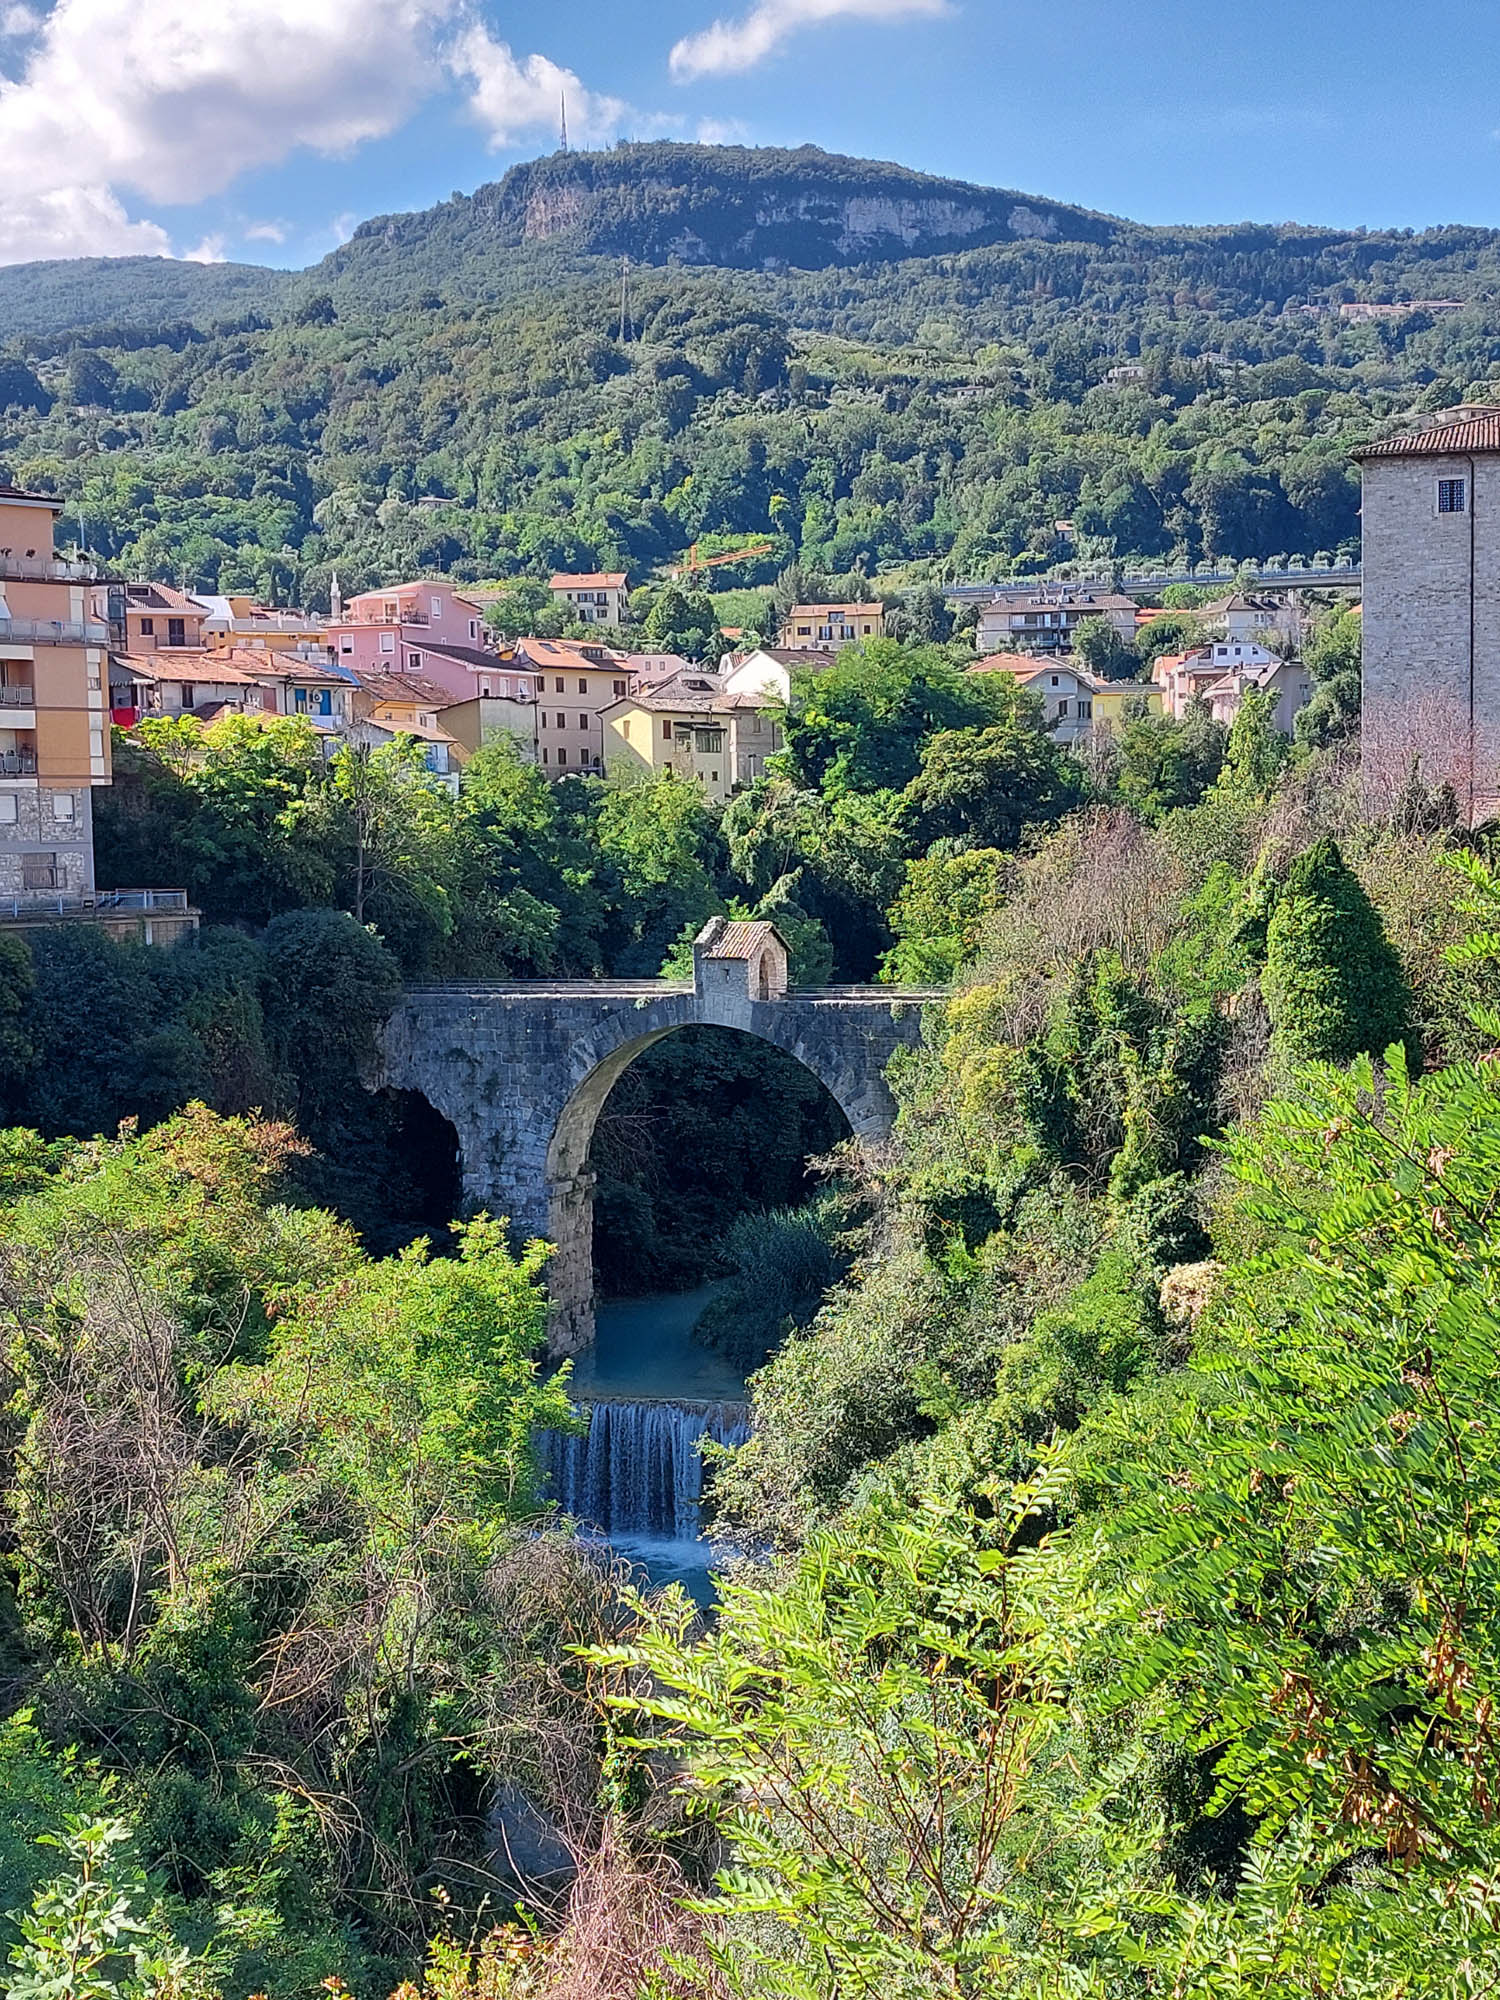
(1047, 621)
(54, 725)
(412, 628)
(154, 618)
(601, 597)
(812, 628)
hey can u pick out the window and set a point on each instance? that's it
(619, 687)
(176, 632)
(562, 755)
(546, 754)
(414, 661)
(1452, 496)
(148, 628)
(38, 871)
(557, 684)
(8, 814)
(583, 686)
(1055, 681)
(1086, 711)
(435, 607)
(346, 645)
(387, 642)
(666, 729)
(1062, 709)
(473, 628)
(583, 722)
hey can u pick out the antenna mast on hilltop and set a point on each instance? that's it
(562, 143)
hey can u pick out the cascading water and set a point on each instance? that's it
(637, 1473)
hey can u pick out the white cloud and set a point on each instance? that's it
(267, 232)
(19, 20)
(722, 132)
(187, 96)
(73, 222)
(513, 96)
(209, 251)
(729, 46)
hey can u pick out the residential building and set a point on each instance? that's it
(768, 670)
(387, 706)
(1187, 677)
(54, 726)
(600, 598)
(1046, 621)
(1115, 702)
(194, 681)
(481, 720)
(812, 628)
(681, 726)
(1242, 617)
(301, 683)
(413, 628)
(575, 683)
(238, 623)
(1287, 683)
(754, 734)
(1064, 688)
(1431, 597)
(154, 618)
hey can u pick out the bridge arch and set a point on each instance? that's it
(522, 1070)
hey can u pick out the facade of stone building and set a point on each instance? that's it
(1431, 616)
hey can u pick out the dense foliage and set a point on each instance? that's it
(1172, 394)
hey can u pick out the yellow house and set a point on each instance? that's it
(1113, 702)
(681, 726)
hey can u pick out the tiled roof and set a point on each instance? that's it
(788, 656)
(692, 693)
(406, 690)
(827, 611)
(741, 940)
(566, 653)
(162, 597)
(1065, 597)
(1476, 428)
(185, 663)
(33, 499)
(1019, 664)
(613, 579)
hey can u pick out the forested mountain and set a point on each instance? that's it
(779, 363)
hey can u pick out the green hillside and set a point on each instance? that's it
(1175, 394)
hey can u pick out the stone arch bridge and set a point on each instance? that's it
(521, 1071)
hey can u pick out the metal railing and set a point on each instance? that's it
(105, 903)
(17, 763)
(45, 569)
(53, 631)
(398, 617)
(12, 695)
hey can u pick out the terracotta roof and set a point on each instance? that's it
(162, 597)
(1476, 428)
(741, 940)
(406, 690)
(567, 653)
(788, 656)
(1019, 664)
(32, 499)
(612, 579)
(1065, 597)
(185, 663)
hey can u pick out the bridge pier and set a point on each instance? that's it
(521, 1071)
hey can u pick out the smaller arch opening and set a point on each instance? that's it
(420, 1173)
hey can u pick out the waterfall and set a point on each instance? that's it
(637, 1470)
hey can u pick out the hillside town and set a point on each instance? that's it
(87, 656)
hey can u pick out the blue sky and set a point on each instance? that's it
(264, 129)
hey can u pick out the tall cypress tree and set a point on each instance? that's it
(1333, 983)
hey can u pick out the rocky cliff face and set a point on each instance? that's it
(760, 208)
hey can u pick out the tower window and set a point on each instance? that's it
(1453, 496)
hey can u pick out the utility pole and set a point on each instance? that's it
(562, 144)
(625, 326)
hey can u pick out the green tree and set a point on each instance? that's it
(861, 726)
(1104, 652)
(991, 785)
(940, 917)
(1164, 764)
(1334, 986)
(1255, 752)
(329, 985)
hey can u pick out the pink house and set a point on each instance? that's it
(413, 628)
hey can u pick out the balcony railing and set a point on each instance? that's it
(53, 632)
(14, 696)
(45, 569)
(17, 763)
(397, 617)
(108, 902)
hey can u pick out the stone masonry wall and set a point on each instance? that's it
(521, 1073)
(1418, 566)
